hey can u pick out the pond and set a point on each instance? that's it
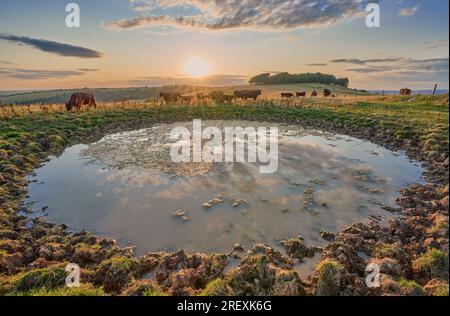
(124, 187)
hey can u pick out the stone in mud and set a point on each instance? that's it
(179, 214)
(296, 248)
(238, 202)
(388, 266)
(238, 247)
(211, 203)
(327, 235)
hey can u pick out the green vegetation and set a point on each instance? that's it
(217, 287)
(432, 263)
(411, 288)
(287, 78)
(330, 278)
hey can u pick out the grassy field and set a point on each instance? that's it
(115, 95)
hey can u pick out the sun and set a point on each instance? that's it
(197, 67)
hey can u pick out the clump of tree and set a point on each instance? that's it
(287, 78)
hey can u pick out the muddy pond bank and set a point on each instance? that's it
(41, 245)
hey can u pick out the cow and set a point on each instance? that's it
(187, 99)
(201, 97)
(405, 91)
(217, 96)
(301, 94)
(314, 93)
(228, 98)
(326, 93)
(170, 97)
(286, 95)
(247, 94)
(77, 100)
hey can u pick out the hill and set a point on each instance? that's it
(145, 93)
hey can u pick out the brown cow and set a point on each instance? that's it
(301, 94)
(187, 99)
(314, 93)
(286, 95)
(77, 100)
(247, 94)
(326, 93)
(405, 91)
(170, 97)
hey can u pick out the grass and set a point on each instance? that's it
(144, 93)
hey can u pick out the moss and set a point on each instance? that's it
(82, 290)
(329, 274)
(50, 278)
(116, 273)
(441, 290)
(433, 263)
(411, 288)
(389, 251)
(217, 287)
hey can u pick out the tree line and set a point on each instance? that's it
(287, 78)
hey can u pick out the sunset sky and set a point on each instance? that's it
(159, 42)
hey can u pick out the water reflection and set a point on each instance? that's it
(117, 188)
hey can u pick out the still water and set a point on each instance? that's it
(124, 187)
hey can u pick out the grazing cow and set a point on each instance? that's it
(247, 94)
(326, 93)
(314, 93)
(187, 99)
(171, 97)
(77, 100)
(217, 96)
(201, 97)
(301, 94)
(286, 95)
(228, 98)
(405, 91)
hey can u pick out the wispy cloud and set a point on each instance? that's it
(250, 14)
(57, 48)
(405, 12)
(356, 61)
(434, 44)
(30, 74)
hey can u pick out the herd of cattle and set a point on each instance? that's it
(77, 100)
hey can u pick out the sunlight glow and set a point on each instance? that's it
(197, 67)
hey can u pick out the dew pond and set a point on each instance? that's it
(124, 187)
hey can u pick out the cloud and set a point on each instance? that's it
(365, 61)
(213, 80)
(405, 12)
(406, 67)
(317, 65)
(87, 69)
(4, 62)
(30, 74)
(57, 48)
(434, 44)
(249, 14)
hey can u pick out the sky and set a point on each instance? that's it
(124, 43)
